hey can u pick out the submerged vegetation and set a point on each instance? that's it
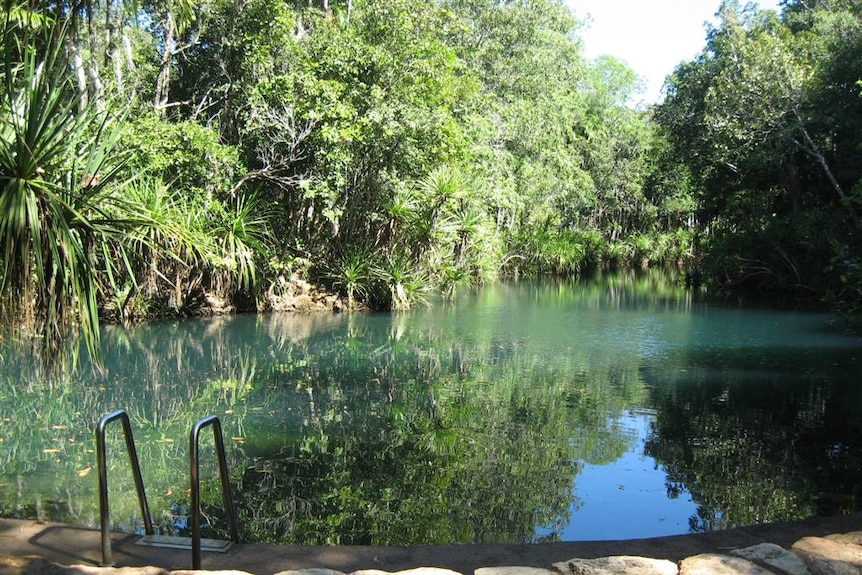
(162, 159)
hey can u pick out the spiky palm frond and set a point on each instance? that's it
(408, 284)
(441, 184)
(355, 272)
(175, 233)
(244, 232)
(53, 196)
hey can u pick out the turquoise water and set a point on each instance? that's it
(621, 407)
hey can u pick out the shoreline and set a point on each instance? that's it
(68, 545)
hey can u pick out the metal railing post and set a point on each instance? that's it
(104, 510)
(194, 463)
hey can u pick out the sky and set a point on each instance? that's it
(651, 36)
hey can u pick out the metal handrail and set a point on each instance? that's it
(194, 451)
(104, 511)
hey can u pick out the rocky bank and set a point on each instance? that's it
(839, 554)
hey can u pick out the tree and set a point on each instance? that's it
(173, 19)
(758, 119)
(759, 98)
(614, 141)
(56, 175)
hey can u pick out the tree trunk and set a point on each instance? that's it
(93, 68)
(80, 75)
(77, 64)
(163, 81)
(810, 148)
(790, 176)
(114, 40)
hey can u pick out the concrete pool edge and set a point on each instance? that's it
(71, 545)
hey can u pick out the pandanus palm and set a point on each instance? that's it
(55, 197)
(174, 240)
(354, 273)
(243, 234)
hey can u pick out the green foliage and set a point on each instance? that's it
(407, 282)
(354, 273)
(545, 251)
(369, 125)
(196, 245)
(243, 239)
(156, 157)
(185, 155)
(56, 196)
(763, 122)
(161, 254)
(459, 140)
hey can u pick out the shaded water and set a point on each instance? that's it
(616, 408)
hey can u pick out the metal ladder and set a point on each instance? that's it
(197, 544)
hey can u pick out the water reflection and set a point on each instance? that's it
(505, 416)
(630, 496)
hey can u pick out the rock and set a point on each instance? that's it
(294, 294)
(775, 557)
(29, 564)
(205, 572)
(821, 566)
(513, 570)
(715, 564)
(852, 538)
(310, 571)
(32, 565)
(417, 571)
(303, 302)
(219, 305)
(617, 565)
(831, 549)
(335, 303)
(92, 570)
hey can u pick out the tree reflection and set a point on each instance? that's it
(431, 441)
(367, 429)
(467, 422)
(753, 446)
